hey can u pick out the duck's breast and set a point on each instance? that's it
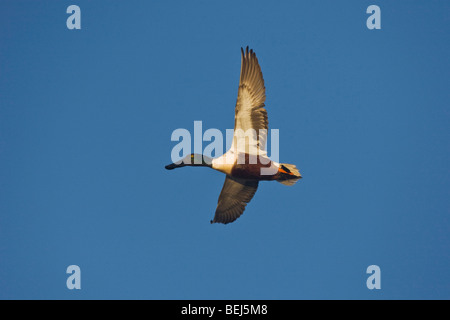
(225, 162)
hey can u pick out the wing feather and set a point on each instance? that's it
(235, 195)
(250, 112)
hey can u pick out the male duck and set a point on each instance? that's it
(246, 163)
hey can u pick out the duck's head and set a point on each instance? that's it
(194, 159)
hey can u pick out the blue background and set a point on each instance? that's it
(86, 118)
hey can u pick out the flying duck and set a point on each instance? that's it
(246, 162)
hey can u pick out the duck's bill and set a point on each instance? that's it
(174, 165)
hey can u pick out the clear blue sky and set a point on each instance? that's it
(86, 118)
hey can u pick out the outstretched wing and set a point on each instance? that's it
(235, 195)
(249, 112)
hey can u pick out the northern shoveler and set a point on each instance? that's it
(246, 163)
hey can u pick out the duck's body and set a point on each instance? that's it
(246, 163)
(243, 165)
(248, 166)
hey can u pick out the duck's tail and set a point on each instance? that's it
(288, 174)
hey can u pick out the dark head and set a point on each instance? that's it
(193, 160)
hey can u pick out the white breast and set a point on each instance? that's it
(225, 162)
